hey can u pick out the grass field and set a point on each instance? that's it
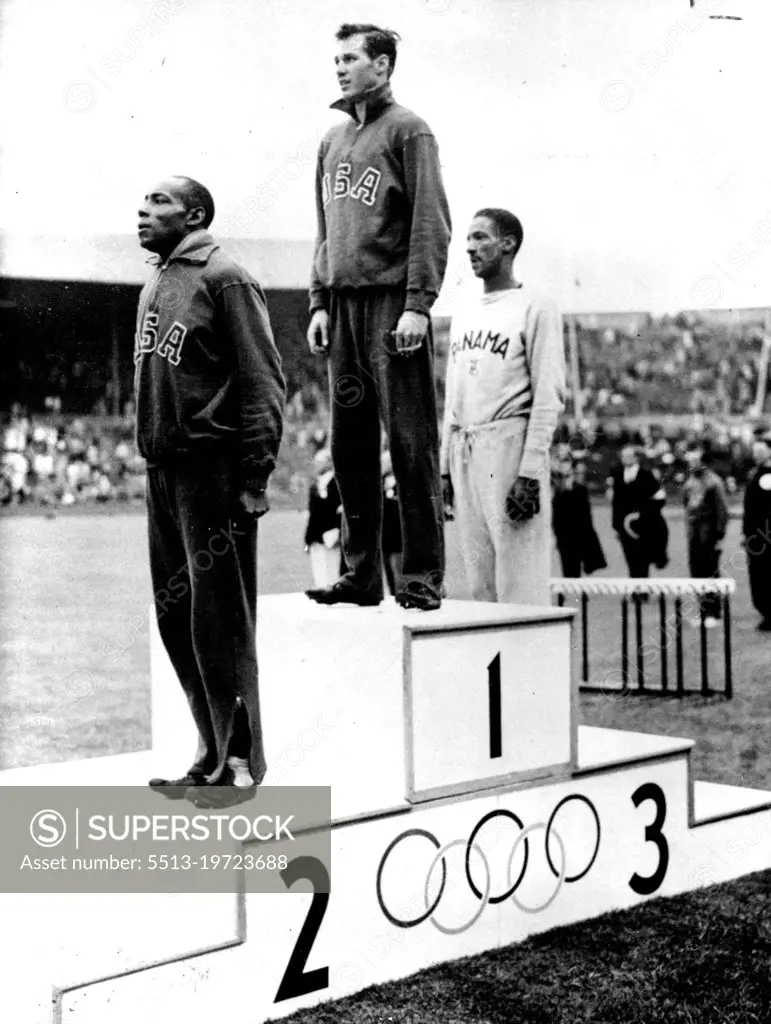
(74, 662)
(74, 665)
(701, 958)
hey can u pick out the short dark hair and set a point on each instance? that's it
(705, 450)
(506, 223)
(194, 194)
(377, 40)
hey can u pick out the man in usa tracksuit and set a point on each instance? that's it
(210, 398)
(380, 257)
(505, 391)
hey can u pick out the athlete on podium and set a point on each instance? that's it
(380, 257)
(505, 391)
(210, 398)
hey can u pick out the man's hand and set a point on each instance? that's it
(255, 503)
(318, 333)
(524, 499)
(410, 332)
(448, 497)
(628, 520)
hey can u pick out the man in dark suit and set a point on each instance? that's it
(706, 521)
(637, 518)
(756, 529)
(579, 546)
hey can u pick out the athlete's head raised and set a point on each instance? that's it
(172, 209)
(365, 59)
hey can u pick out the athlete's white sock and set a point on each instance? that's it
(242, 776)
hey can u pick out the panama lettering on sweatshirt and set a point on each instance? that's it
(506, 358)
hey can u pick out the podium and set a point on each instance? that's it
(389, 707)
(469, 811)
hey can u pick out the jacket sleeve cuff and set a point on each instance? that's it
(319, 300)
(419, 302)
(531, 466)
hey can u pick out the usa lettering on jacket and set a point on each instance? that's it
(169, 347)
(365, 189)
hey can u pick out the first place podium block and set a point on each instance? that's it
(392, 707)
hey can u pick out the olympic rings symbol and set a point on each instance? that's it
(483, 893)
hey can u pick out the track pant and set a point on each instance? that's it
(704, 563)
(570, 561)
(503, 561)
(370, 384)
(203, 564)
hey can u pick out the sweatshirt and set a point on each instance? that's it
(208, 374)
(506, 358)
(382, 214)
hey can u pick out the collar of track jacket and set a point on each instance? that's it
(196, 247)
(377, 100)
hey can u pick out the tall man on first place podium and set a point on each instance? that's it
(380, 258)
(505, 391)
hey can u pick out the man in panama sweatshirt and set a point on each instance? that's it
(380, 257)
(210, 397)
(505, 391)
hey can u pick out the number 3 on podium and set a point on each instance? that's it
(644, 885)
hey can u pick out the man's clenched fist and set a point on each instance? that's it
(410, 332)
(255, 503)
(524, 499)
(318, 333)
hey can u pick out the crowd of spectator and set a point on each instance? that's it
(49, 462)
(669, 369)
(595, 451)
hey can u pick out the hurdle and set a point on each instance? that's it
(639, 592)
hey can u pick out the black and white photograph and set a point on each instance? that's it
(385, 511)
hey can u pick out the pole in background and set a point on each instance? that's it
(115, 364)
(765, 353)
(575, 376)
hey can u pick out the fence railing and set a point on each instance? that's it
(639, 593)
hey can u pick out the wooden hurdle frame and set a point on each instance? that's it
(639, 591)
